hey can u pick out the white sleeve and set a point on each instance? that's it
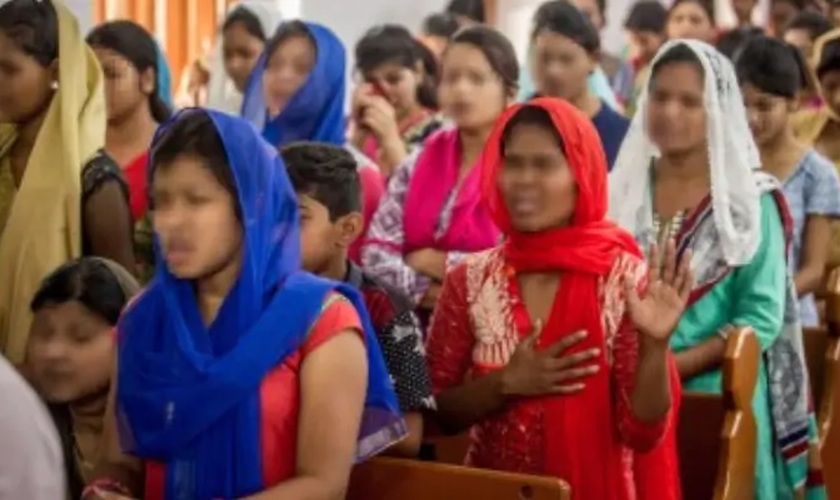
(31, 462)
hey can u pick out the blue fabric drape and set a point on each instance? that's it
(188, 394)
(316, 111)
(164, 77)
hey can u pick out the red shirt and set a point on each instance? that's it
(279, 404)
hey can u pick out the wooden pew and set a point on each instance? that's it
(398, 479)
(824, 370)
(716, 434)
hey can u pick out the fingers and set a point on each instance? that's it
(631, 295)
(531, 340)
(577, 358)
(685, 282)
(653, 269)
(567, 388)
(670, 264)
(564, 343)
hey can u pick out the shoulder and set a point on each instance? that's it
(337, 315)
(818, 168)
(99, 171)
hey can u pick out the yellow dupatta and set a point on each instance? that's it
(44, 226)
(808, 124)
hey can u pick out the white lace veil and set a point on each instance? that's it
(732, 158)
(222, 94)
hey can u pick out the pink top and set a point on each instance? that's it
(373, 187)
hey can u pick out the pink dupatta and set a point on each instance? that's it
(435, 176)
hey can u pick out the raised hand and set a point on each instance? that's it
(535, 373)
(657, 314)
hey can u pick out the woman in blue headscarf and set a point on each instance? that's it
(239, 374)
(296, 93)
(296, 90)
(138, 100)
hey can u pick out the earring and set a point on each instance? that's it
(54, 85)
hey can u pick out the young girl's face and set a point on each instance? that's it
(536, 182)
(470, 92)
(768, 114)
(286, 70)
(689, 20)
(25, 85)
(398, 83)
(125, 87)
(560, 66)
(676, 112)
(240, 51)
(70, 352)
(830, 86)
(195, 219)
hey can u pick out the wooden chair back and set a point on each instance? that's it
(825, 380)
(398, 479)
(716, 434)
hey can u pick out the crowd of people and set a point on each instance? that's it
(244, 298)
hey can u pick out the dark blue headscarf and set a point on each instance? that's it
(188, 395)
(316, 111)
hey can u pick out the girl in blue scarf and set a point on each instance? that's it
(239, 374)
(296, 90)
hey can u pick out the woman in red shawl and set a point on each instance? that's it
(562, 330)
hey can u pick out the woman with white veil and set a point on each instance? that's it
(241, 40)
(688, 171)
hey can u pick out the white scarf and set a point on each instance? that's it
(733, 157)
(222, 94)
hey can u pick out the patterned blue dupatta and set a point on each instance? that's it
(316, 111)
(187, 394)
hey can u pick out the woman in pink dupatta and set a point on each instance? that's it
(432, 214)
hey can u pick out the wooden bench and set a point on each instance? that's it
(399, 479)
(822, 350)
(716, 433)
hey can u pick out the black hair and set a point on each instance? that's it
(678, 54)
(496, 48)
(563, 18)
(87, 280)
(392, 43)
(648, 16)
(248, 20)
(325, 172)
(730, 43)
(287, 30)
(135, 44)
(33, 27)
(194, 134)
(770, 65)
(707, 5)
(531, 115)
(829, 59)
(471, 9)
(814, 23)
(441, 24)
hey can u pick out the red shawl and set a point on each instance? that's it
(580, 430)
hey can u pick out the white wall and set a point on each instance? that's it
(84, 11)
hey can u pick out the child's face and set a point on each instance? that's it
(70, 352)
(320, 238)
(194, 218)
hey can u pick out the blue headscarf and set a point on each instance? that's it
(316, 111)
(188, 395)
(164, 78)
